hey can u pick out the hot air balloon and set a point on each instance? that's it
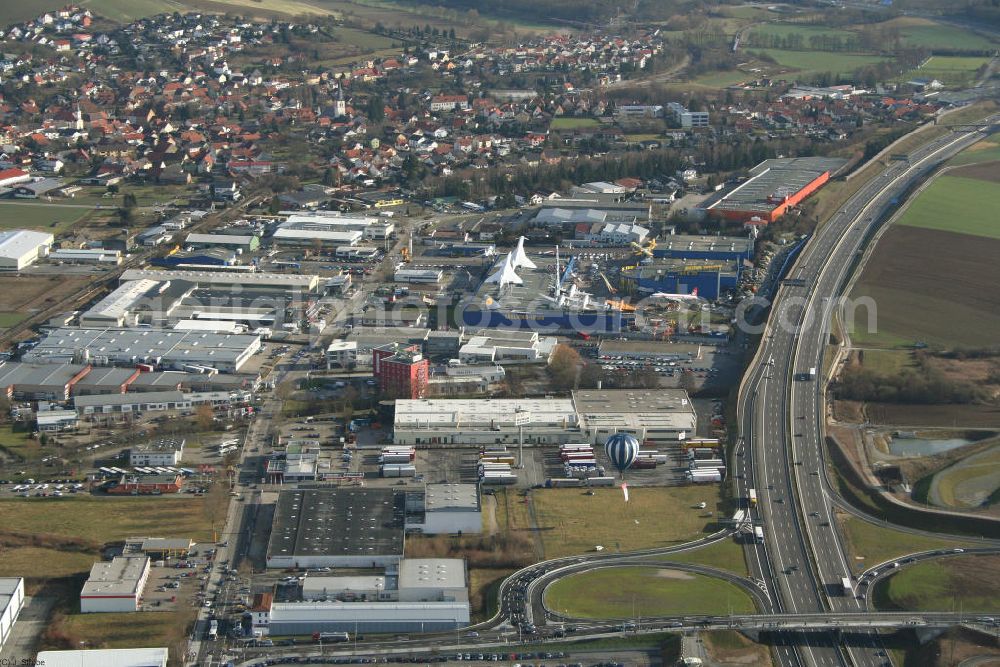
(622, 449)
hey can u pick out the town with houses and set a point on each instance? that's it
(337, 360)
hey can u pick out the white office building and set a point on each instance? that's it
(341, 354)
(162, 452)
(487, 346)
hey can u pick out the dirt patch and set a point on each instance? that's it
(27, 294)
(984, 171)
(673, 574)
(848, 411)
(726, 647)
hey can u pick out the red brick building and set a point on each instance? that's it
(147, 485)
(402, 372)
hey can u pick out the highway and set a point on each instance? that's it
(782, 414)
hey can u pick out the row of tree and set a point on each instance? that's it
(924, 386)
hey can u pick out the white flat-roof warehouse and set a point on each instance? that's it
(118, 308)
(483, 421)
(178, 350)
(663, 414)
(653, 414)
(21, 247)
(262, 280)
(105, 657)
(417, 595)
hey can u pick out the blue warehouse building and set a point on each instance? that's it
(736, 248)
(711, 277)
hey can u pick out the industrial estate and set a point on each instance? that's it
(568, 334)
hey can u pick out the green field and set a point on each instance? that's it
(571, 522)
(955, 204)
(8, 319)
(566, 123)
(966, 583)
(53, 218)
(954, 63)
(16, 443)
(869, 544)
(634, 592)
(364, 39)
(949, 70)
(722, 79)
(815, 62)
(806, 31)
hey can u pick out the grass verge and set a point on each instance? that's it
(634, 592)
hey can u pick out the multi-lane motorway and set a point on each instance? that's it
(782, 414)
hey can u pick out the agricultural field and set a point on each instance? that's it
(634, 592)
(969, 583)
(570, 522)
(929, 286)
(805, 31)
(933, 416)
(987, 150)
(936, 259)
(924, 33)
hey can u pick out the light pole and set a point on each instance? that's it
(521, 419)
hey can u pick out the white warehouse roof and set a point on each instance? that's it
(16, 243)
(350, 236)
(282, 280)
(114, 657)
(456, 413)
(117, 304)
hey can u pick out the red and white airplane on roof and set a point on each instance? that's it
(677, 298)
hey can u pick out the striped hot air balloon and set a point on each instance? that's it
(622, 450)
